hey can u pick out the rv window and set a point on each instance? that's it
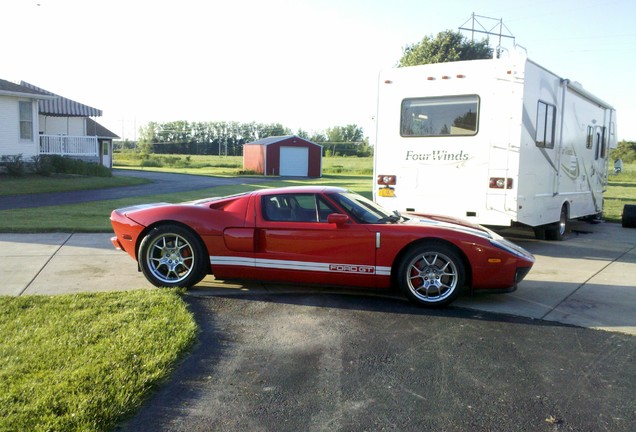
(604, 143)
(546, 117)
(440, 116)
(597, 142)
(590, 137)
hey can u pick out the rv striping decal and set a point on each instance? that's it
(299, 265)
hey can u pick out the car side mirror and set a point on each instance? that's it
(337, 218)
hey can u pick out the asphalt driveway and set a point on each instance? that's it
(290, 362)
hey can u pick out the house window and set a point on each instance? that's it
(26, 121)
(546, 120)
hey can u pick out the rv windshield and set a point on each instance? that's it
(439, 116)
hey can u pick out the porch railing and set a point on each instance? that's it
(69, 145)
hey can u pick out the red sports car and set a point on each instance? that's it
(314, 234)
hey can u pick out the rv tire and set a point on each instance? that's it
(557, 230)
(629, 216)
(539, 232)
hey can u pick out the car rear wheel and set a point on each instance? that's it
(171, 256)
(431, 275)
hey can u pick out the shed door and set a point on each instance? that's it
(294, 161)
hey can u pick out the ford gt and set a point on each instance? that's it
(317, 235)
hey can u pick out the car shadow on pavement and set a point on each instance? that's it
(369, 300)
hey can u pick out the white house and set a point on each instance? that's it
(34, 121)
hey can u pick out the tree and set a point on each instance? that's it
(626, 151)
(341, 134)
(146, 138)
(344, 140)
(447, 46)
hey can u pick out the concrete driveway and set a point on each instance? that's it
(588, 280)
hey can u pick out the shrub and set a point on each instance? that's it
(42, 165)
(151, 163)
(14, 164)
(66, 165)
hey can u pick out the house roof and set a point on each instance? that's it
(276, 139)
(61, 106)
(9, 88)
(95, 129)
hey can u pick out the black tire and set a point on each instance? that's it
(171, 256)
(557, 230)
(628, 219)
(431, 274)
(539, 232)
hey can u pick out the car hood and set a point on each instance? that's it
(449, 223)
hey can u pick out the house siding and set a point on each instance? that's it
(10, 142)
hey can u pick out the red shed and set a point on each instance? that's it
(283, 156)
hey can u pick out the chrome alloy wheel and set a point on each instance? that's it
(170, 258)
(563, 222)
(432, 276)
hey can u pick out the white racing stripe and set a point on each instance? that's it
(300, 265)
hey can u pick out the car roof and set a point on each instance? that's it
(300, 189)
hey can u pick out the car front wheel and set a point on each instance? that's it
(431, 275)
(171, 256)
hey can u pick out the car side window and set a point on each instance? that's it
(295, 208)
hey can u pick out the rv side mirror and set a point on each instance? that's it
(337, 218)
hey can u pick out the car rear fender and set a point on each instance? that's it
(164, 223)
(429, 241)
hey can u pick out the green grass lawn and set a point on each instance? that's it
(94, 216)
(226, 166)
(61, 183)
(621, 190)
(85, 362)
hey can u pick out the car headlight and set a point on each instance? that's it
(512, 248)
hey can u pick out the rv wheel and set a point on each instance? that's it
(629, 216)
(539, 232)
(557, 230)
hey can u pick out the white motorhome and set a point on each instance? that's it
(497, 142)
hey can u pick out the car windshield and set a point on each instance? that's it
(363, 210)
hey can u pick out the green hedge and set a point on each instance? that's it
(46, 165)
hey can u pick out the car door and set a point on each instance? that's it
(295, 243)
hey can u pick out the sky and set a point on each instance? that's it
(307, 64)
